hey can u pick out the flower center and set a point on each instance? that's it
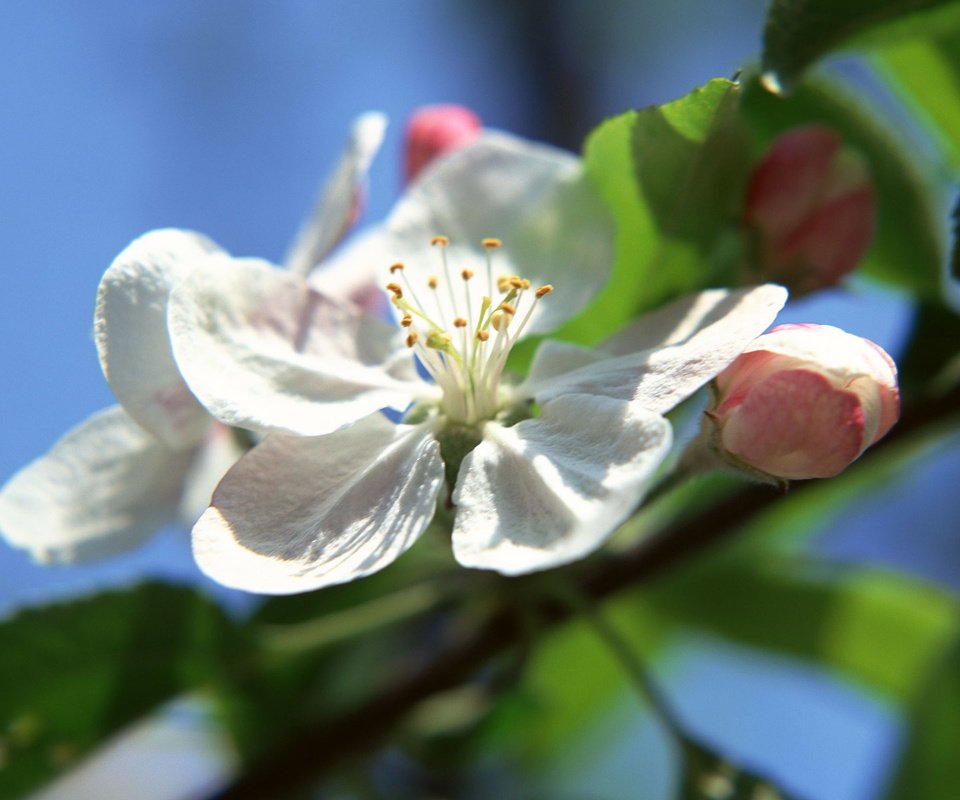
(463, 333)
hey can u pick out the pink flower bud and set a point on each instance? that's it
(810, 206)
(803, 401)
(435, 130)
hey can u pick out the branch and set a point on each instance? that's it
(312, 751)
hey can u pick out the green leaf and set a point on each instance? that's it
(925, 72)
(673, 177)
(929, 767)
(73, 674)
(907, 250)
(930, 363)
(798, 32)
(880, 629)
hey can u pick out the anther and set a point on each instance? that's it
(517, 282)
(503, 283)
(506, 308)
(483, 336)
(544, 290)
(398, 267)
(412, 338)
(432, 282)
(459, 322)
(501, 319)
(441, 240)
(491, 244)
(467, 274)
(406, 321)
(395, 288)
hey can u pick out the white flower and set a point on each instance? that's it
(128, 470)
(335, 490)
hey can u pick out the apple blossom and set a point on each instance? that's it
(810, 208)
(434, 130)
(538, 471)
(127, 470)
(802, 401)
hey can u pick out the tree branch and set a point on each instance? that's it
(312, 751)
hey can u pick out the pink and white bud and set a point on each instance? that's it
(435, 130)
(810, 206)
(802, 401)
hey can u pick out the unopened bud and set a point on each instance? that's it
(435, 130)
(802, 401)
(810, 210)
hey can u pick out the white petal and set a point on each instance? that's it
(340, 199)
(686, 344)
(264, 351)
(103, 488)
(130, 328)
(296, 514)
(219, 450)
(550, 490)
(535, 198)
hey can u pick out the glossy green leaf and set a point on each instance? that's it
(798, 32)
(907, 251)
(673, 177)
(929, 767)
(73, 674)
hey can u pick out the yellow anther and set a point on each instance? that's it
(459, 322)
(491, 244)
(432, 282)
(544, 290)
(506, 308)
(526, 283)
(398, 267)
(503, 283)
(483, 336)
(441, 240)
(467, 274)
(406, 321)
(412, 338)
(501, 319)
(395, 289)
(517, 282)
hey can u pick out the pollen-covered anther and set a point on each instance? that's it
(395, 289)
(459, 322)
(491, 244)
(406, 321)
(443, 241)
(398, 267)
(503, 283)
(546, 289)
(467, 274)
(432, 282)
(482, 336)
(412, 338)
(516, 282)
(506, 308)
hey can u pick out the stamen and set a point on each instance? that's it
(460, 322)
(546, 289)
(432, 282)
(406, 321)
(467, 274)
(412, 338)
(398, 267)
(508, 309)
(491, 244)
(395, 289)
(443, 241)
(482, 336)
(517, 282)
(503, 283)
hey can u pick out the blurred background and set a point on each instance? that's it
(224, 116)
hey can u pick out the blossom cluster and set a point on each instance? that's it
(309, 440)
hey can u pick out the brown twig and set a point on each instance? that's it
(312, 751)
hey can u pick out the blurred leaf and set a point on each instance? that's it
(73, 674)
(881, 629)
(907, 250)
(955, 250)
(929, 767)
(925, 72)
(672, 176)
(798, 32)
(931, 361)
